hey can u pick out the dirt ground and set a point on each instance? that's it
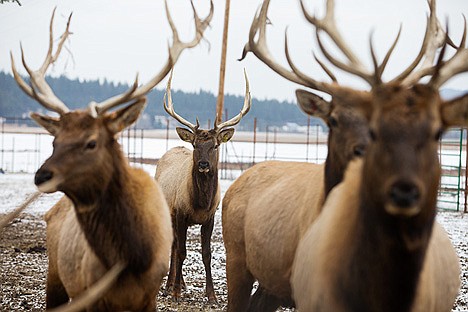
(24, 269)
(24, 266)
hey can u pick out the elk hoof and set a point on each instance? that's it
(212, 299)
(176, 297)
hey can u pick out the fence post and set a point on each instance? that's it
(254, 140)
(308, 134)
(466, 168)
(3, 143)
(167, 134)
(13, 155)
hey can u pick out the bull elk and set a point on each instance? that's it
(113, 217)
(189, 180)
(269, 208)
(376, 245)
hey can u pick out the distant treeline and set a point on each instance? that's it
(202, 104)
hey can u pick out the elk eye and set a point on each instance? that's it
(439, 134)
(372, 135)
(332, 121)
(91, 145)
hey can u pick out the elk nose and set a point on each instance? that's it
(203, 164)
(404, 194)
(42, 176)
(359, 150)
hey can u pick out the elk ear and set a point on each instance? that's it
(455, 112)
(51, 124)
(225, 135)
(313, 104)
(185, 135)
(124, 117)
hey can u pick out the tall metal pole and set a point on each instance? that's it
(222, 69)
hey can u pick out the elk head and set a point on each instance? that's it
(206, 142)
(84, 147)
(85, 143)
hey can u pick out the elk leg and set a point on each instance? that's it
(56, 294)
(239, 280)
(171, 276)
(206, 231)
(263, 301)
(181, 232)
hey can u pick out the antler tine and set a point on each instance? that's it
(99, 108)
(328, 25)
(434, 39)
(245, 108)
(260, 49)
(38, 88)
(175, 51)
(169, 107)
(309, 81)
(457, 64)
(379, 69)
(350, 68)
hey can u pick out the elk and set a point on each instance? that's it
(267, 210)
(376, 245)
(189, 181)
(114, 217)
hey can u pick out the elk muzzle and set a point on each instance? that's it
(203, 166)
(403, 199)
(46, 181)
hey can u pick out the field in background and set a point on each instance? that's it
(24, 149)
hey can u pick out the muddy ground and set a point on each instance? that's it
(24, 266)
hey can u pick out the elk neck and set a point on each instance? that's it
(108, 216)
(386, 255)
(205, 186)
(334, 171)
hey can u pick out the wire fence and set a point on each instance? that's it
(24, 147)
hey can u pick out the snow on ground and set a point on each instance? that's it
(14, 188)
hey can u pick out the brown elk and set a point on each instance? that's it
(376, 245)
(258, 227)
(113, 215)
(189, 180)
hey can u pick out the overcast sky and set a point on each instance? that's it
(115, 39)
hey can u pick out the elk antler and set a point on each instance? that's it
(434, 38)
(175, 51)
(260, 49)
(38, 88)
(41, 91)
(458, 63)
(353, 66)
(169, 107)
(245, 109)
(328, 25)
